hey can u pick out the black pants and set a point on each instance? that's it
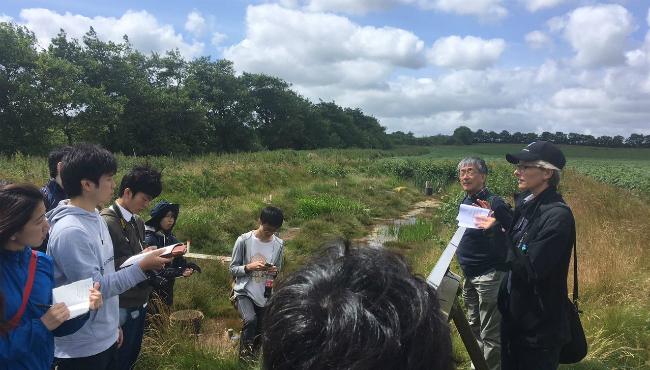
(106, 360)
(517, 357)
(252, 316)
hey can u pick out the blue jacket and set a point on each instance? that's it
(30, 345)
(53, 193)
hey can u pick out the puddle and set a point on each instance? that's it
(385, 231)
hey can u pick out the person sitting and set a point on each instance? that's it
(28, 320)
(355, 308)
(159, 232)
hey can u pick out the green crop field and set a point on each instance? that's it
(327, 193)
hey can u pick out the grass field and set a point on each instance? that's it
(327, 193)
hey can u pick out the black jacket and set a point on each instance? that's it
(164, 288)
(533, 298)
(481, 251)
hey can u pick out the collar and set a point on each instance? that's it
(126, 215)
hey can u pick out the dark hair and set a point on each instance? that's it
(142, 179)
(86, 161)
(272, 216)
(355, 308)
(55, 157)
(17, 205)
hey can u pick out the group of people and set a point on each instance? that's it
(363, 308)
(83, 242)
(350, 307)
(516, 262)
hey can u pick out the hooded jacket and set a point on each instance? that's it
(17, 346)
(241, 255)
(81, 247)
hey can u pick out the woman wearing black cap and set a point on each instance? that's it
(159, 232)
(533, 297)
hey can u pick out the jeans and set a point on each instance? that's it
(132, 323)
(252, 316)
(480, 294)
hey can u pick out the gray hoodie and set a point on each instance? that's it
(81, 247)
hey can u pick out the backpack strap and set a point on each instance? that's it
(575, 270)
(27, 291)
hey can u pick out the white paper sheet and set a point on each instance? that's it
(467, 213)
(76, 296)
(138, 257)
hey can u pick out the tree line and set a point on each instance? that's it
(109, 93)
(464, 136)
(129, 102)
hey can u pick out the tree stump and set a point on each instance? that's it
(188, 320)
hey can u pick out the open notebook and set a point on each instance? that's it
(76, 296)
(173, 250)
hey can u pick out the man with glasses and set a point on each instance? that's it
(481, 254)
(256, 260)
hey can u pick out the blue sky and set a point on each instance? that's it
(425, 66)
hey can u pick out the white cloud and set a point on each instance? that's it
(217, 38)
(486, 9)
(580, 98)
(535, 5)
(538, 39)
(483, 8)
(466, 52)
(195, 24)
(5, 18)
(599, 34)
(144, 31)
(320, 49)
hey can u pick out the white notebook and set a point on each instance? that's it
(76, 296)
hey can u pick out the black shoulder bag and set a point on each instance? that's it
(576, 349)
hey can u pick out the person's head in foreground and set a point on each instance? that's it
(355, 308)
(538, 166)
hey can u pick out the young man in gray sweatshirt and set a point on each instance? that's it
(81, 248)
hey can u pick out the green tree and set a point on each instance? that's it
(463, 135)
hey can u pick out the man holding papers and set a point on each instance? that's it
(137, 189)
(81, 248)
(481, 255)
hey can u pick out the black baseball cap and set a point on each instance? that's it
(539, 151)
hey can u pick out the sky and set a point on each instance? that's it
(421, 66)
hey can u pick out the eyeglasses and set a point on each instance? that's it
(524, 167)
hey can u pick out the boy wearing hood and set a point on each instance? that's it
(81, 247)
(126, 228)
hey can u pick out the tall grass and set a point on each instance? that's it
(329, 193)
(614, 267)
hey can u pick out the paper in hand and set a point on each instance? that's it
(467, 214)
(170, 251)
(76, 296)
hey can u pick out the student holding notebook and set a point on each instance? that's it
(28, 320)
